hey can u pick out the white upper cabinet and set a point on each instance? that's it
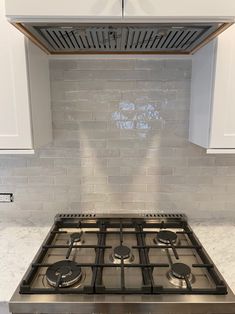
(25, 92)
(15, 129)
(180, 8)
(64, 8)
(212, 112)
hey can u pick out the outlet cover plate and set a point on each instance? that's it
(6, 197)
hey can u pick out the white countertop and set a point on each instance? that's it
(21, 238)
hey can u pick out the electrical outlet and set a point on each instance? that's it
(6, 197)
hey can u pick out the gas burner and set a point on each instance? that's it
(120, 253)
(75, 238)
(178, 273)
(166, 237)
(67, 271)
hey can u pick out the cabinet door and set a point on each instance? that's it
(179, 8)
(15, 128)
(64, 8)
(223, 109)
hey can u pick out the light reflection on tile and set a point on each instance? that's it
(126, 106)
(136, 116)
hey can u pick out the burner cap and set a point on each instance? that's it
(180, 270)
(166, 236)
(70, 273)
(122, 252)
(76, 236)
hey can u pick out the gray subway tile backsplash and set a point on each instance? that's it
(120, 145)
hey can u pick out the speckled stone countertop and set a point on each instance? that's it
(21, 238)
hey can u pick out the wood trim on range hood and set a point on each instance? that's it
(145, 37)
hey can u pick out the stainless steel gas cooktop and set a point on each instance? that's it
(110, 264)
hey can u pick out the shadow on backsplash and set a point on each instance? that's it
(120, 145)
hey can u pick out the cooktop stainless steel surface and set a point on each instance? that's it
(110, 264)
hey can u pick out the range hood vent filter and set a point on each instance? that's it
(120, 38)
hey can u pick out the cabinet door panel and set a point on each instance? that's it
(62, 8)
(222, 120)
(179, 8)
(15, 129)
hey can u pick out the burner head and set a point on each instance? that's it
(76, 236)
(122, 252)
(70, 273)
(75, 239)
(180, 270)
(178, 273)
(166, 236)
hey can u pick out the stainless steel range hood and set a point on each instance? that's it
(120, 38)
(172, 29)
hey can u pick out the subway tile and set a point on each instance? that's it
(225, 161)
(168, 161)
(59, 152)
(125, 162)
(120, 130)
(80, 105)
(107, 153)
(125, 143)
(75, 116)
(40, 180)
(93, 125)
(224, 180)
(133, 206)
(146, 179)
(213, 188)
(120, 85)
(101, 115)
(195, 171)
(58, 143)
(72, 171)
(93, 197)
(84, 188)
(62, 125)
(94, 162)
(12, 162)
(34, 171)
(168, 179)
(201, 161)
(160, 171)
(14, 180)
(101, 134)
(35, 196)
(199, 180)
(94, 179)
(133, 170)
(120, 197)
(68, 162)
(31, 205)
(229, 197)
(95, 144)
(55, 171)
(120, 179)
(67, 180)
(39, 162)
(108, 207)
(109, 171)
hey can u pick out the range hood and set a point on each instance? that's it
(114, 26)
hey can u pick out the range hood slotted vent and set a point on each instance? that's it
(121, 38)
